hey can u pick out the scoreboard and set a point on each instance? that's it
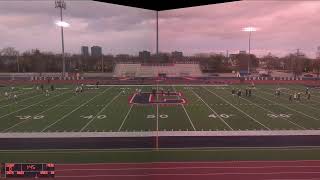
(26, 170)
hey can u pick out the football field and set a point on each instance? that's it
(108, 109)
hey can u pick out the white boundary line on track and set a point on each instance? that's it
(212, 109)
(104, 108)
(166, 85)
(239, 109)
(32, 105)
(21, 122)
(182, 105)
(78, 107)
(192, 174)
(196, 162)
(189, 167)
(287, 106)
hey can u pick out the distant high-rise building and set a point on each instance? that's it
(96, 51)
(144, 55)
(176, 54)
(84, 50)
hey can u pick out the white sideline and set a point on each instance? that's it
(160, 133)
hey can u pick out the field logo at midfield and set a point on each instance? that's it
(159, 97)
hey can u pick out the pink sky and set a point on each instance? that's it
(283, 26)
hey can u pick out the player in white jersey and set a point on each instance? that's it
(47, 92)
(6, 94)
(15, 97)
(77, 90)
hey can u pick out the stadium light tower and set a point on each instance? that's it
(62, 5)
(249, 29)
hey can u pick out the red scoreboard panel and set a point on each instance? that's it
(25, 170)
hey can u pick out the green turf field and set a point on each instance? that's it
(106, 109)
(162, 155)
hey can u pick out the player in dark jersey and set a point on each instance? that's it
(233, 92)
(309, 96)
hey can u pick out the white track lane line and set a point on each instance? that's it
(66, 115)
(104, 108)
(238, 109)
(212, 109)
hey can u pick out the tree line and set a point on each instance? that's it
(34, 60)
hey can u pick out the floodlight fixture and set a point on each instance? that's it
(61, 4)
(62, 24)
(249, 29)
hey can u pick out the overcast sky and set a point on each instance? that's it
(283, 26)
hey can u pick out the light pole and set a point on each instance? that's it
(249, 29)
(62, 5)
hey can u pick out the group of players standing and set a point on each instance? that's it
(297, 95)
(11, 94)
(79, 89)
(238, 92)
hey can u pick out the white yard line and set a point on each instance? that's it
(32, 105)
(302, 103)
(66, 115)
(104, 108)
(287, 107)
(157, 116)
(212, 110)
(182, 105)
(273, 113)
(17, 124)
(15, 92)
(238, 109)
(21, 100)
(125, 118)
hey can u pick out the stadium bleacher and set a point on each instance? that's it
(171, 70)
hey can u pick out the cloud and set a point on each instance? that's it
(284, 26)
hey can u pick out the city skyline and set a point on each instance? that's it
(283, 27)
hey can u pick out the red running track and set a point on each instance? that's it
(224, 170)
